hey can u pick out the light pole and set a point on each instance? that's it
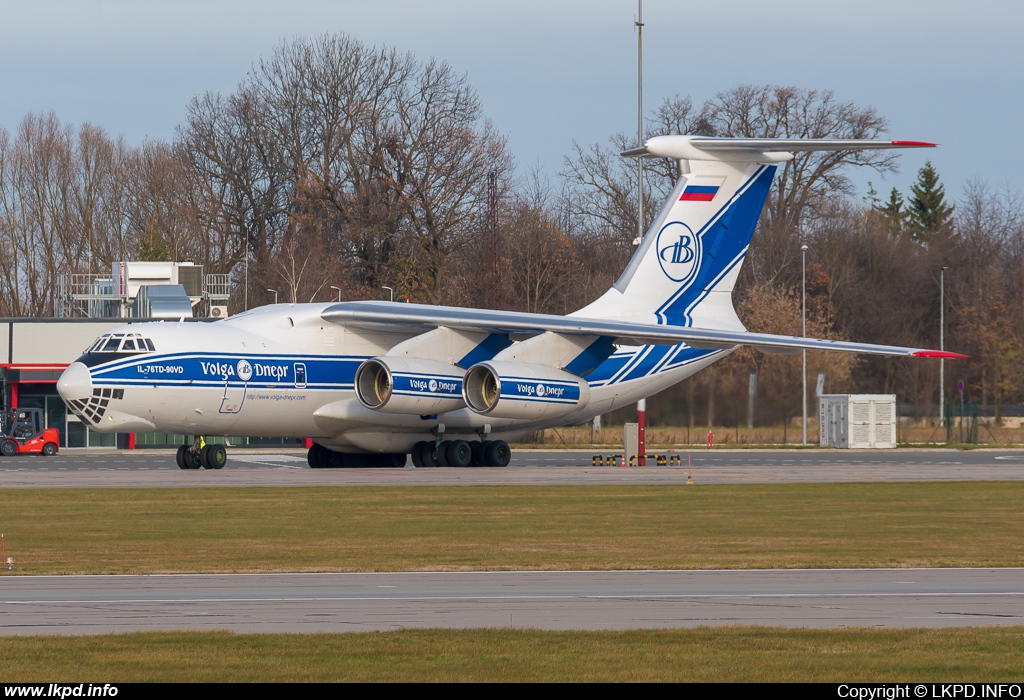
(942, 346)
(641, 406)
(640, 119)
(392, 291)
(275, 294)
(339, 291)
(803, 256)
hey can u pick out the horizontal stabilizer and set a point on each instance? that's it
(682, 147)
(421, 316)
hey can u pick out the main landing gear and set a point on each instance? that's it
(320, 457)
(459, 453)
(199, 454)
(449, 453)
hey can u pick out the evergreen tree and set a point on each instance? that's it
(929, 212)
(871, 198)
(153, 248)
(893, 213)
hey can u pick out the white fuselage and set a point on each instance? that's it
(282, 371)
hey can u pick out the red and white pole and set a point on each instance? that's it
(641, 419)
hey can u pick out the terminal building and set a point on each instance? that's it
(38, 350)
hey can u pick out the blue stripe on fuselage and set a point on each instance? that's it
(486, 350)
(646, 361)
(233, 369)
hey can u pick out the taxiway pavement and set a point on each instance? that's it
(348, 602)
(150, 469)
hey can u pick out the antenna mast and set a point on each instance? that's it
(640, 119)
(641, 406)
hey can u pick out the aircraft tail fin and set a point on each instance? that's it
(684, 270)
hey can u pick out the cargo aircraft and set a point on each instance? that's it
(373, 382)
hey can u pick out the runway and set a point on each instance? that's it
(533, 599)
(149, 469)
(545, 600)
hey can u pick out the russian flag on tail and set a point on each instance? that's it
(699, 193)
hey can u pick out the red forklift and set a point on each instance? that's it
(23, 433)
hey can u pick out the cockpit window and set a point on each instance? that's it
(122, 342)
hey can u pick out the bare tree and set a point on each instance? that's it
(230, 144)
(540, 260)
(361, 151)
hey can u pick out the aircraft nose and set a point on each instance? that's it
(75, 383)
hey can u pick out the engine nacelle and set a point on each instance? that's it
(409, 385)
(520, 390)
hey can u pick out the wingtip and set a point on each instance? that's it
(940, 354)
(914, 144)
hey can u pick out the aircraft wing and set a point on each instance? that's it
(422, 317)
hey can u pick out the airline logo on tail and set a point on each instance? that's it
(678, 251)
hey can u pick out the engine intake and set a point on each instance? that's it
(520, 390)
(409, 385)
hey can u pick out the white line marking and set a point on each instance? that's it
(623, 596)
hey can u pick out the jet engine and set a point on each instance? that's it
(521, 390)
(409, 385)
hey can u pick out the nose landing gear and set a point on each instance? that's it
(199, 454)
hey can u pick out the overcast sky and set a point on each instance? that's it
(549, 73)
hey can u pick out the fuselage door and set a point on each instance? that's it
(235, 388)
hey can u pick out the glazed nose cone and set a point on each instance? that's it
(75, 383)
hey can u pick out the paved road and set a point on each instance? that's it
(538, 599)
(145, 469)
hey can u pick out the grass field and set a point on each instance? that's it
(558, 527)
(709, 655)
(552, 527)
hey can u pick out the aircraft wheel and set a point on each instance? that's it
(479, 458)
(324, 458)
(8, 448)
(459, 453)
(441, 456)
(417, 459)
(386, 460)
(49, 449)
(213, 457)
(428, 455)
(191, 461)
(498, 454)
